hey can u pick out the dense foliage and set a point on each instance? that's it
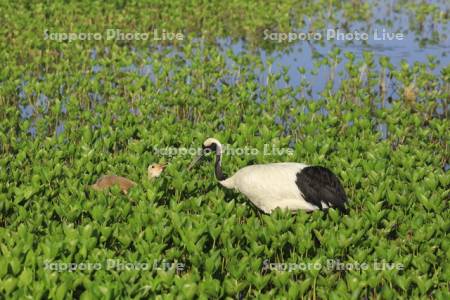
(71, 112)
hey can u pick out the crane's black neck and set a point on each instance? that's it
(217, 148)
(218, 167)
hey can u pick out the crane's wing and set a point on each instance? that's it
(319, 185)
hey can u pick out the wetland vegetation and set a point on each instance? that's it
(77, 103)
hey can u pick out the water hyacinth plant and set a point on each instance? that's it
(77, 102)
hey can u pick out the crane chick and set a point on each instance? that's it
(107, 181)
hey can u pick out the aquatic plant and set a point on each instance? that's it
(72, 111)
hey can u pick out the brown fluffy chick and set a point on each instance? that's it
(154, 170)
(107, 181)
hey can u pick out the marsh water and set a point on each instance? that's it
(422, 41)
(418, 43)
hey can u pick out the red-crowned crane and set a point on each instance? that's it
(294, 186)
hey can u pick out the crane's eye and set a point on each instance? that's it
(209, 148)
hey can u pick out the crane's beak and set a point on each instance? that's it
(195, 161)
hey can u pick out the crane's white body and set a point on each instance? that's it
(270, 186)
